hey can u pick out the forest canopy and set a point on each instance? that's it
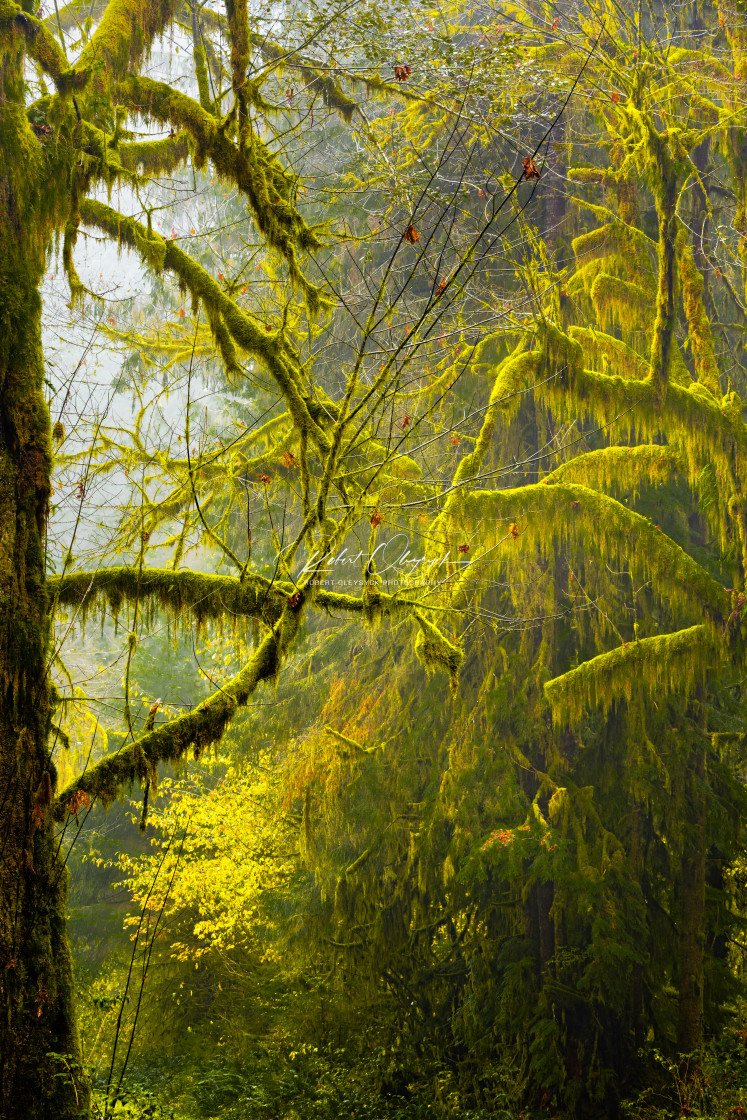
(373, 471)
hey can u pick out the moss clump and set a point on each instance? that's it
(155, 157)
(436, 651)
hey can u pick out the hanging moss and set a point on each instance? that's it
(553, 514)
(706, 366)
(199, 596)
(515, 377)
(620, 302)
(623, 244)
(123, 36)
(40, 44)
(267, 347)
(197, 730)
(662, 665)
(155, 157)
(622, 469)
(706, 430)
(316, 80)
(251, 167)
(612, 353)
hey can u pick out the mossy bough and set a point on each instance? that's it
(255, 171)
(197, 730)
(664, 665)
(268, 347)
(549, 514)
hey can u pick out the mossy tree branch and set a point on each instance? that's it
(205, 725)
(250, 166)
(268, 347)
(661, 665)
(548, 513)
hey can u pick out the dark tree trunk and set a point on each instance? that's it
(40, 1064)
(637, 991)
(692, 930)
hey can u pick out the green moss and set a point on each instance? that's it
(620, 302)
(514, 378)
(662, 665)
(250, 166)
(204, 726)
(40, 44)
(155, 157)
(602, 349)
(123, 37)
(178, 594)
(622, 469)
(699, 328)
(269, 348)
(436, 651)
(197, 730)
(552, 515)
(198, 54)
(315, 79)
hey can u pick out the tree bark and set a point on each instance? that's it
(41, 1073)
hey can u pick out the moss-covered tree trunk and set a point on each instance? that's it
(40, 1068)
